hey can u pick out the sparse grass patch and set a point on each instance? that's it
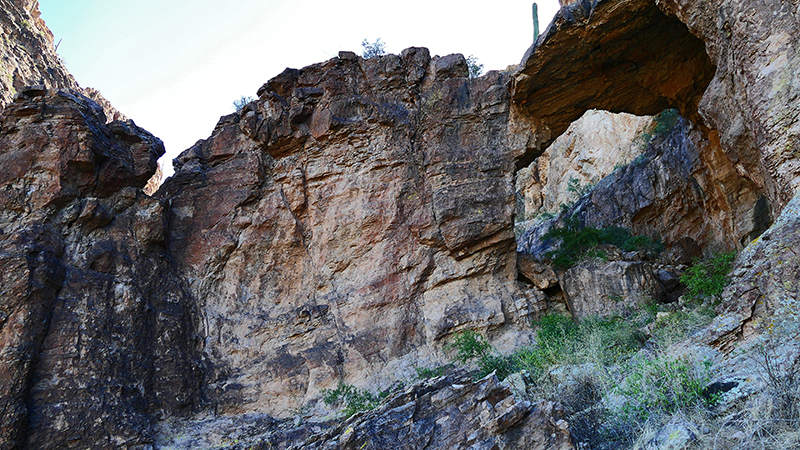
(559, 341)
(353, 399)
(663, 385)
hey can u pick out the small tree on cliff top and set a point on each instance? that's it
(373, 49)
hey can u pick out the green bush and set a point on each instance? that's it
(475, 68)
(707, 277)
(664, 123)
(579, 243)
(352, 398)
(469, 346)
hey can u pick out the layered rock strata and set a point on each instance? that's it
(447, 413)
(96, 328)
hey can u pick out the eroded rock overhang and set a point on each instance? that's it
(616, 55)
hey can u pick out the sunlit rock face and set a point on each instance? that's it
(591, 149)
(96, 327)
(345, 223)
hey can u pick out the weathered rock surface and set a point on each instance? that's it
(604, 288)
(448, 412)
(763, 298)
(28, 57)
(358, 213)
(674, 191)
(541, 275)
(452, 414)
(752, 100)
(96, 332)
(591, 149)
(345, 223)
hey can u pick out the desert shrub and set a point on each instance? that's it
(579, 243)
(664, 123)
(707, 277)
(675, 326)
(468, 346)
(577, 189)
(243, 101)
(373, 49)
(663, 385)
(352, 399)
(475, 68)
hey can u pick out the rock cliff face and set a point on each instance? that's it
(96, 329)
(751, 103)
(343, 224)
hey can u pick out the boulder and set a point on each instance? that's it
(540, 274)
(677, 434)
(598, 288)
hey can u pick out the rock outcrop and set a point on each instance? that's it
(447, 412)
(344, 224)
(599, 288)
(96, 328)
(452, 414)
(675, 190)
(341, 227)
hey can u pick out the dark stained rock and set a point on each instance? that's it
(97, 331)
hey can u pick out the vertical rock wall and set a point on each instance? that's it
(345, 223)
(96, 327)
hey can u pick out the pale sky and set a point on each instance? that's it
(176, 66)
